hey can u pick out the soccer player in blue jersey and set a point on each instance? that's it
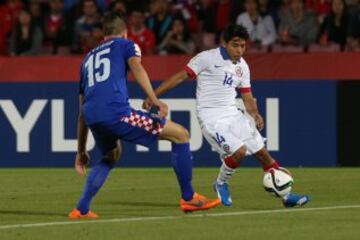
(105, 110)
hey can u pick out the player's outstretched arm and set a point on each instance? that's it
(166, 85)
(252, 109)
(171, 82)
(143, 80)
(82, 156)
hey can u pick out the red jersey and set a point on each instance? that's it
(54, 23)
(8, 15)
(319, 6)
(145, 39)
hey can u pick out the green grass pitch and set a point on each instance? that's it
(143, 204)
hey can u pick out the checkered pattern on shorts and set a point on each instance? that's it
(144, 122)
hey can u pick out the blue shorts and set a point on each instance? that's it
(137, 127)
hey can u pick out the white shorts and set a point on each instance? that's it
(226, 135)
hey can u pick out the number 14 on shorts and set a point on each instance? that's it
(219, 139)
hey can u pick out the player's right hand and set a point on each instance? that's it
(147, 103)
(163, 108)
(259, 121)
(81, 162)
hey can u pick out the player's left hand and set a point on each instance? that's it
(259, 121)
(81, 162)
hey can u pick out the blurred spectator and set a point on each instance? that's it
(152, 8)
(26, 38)
(265, 7)
(320, 7)
(177, 40)
(86, 28)
(209, 18)
(138, 4)
(335, 26)
(70, 4)
(36, 12)
(118, 6)
(298, 26)
(217, 15)
(354, 29)
(283, 10)
(76, 24)
(271, 8)
(160, 21)
(352, 3)
(222, 17)
(58, 32)
(237, 6)
(8, 14)
(192, 12)
(140, 34)
(261, 29)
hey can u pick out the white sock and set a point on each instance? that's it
(225, 173)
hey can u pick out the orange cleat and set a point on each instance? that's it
(76, 214)
(199, 202)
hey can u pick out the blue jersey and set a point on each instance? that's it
(103, 80)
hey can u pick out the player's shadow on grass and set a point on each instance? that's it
(30, 213)
(144, 204)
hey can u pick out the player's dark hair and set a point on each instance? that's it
(113, 24)
(235, 30)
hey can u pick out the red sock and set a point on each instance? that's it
(231, 162)
(274, 165)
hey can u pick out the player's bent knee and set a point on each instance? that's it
(114, 155)
(175, 133)
(262, 154)
(184, 136)
(239, 154)
(181, 136)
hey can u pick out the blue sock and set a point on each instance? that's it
(181, 158)
(95, 180)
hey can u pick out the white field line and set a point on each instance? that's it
(143, 219)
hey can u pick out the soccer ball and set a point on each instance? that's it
(278, 182)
